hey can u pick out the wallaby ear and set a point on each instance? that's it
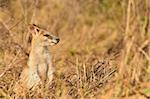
(32, 29)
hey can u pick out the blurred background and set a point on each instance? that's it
(103, 51)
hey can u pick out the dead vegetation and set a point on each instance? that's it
(103, 53)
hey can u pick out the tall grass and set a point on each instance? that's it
(103, 52)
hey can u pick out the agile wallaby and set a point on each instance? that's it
(39, 69)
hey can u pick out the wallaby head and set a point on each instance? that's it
(42, 37)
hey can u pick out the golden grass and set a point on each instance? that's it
(103, 53)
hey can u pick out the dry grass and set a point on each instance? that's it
(103, 53)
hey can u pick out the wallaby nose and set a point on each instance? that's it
(57, 39)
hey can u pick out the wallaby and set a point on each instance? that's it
(39, 69)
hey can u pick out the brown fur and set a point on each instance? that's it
(39, 69)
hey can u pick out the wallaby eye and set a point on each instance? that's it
(37, 30)
(46, 35)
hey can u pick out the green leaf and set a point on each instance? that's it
(146, 92)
